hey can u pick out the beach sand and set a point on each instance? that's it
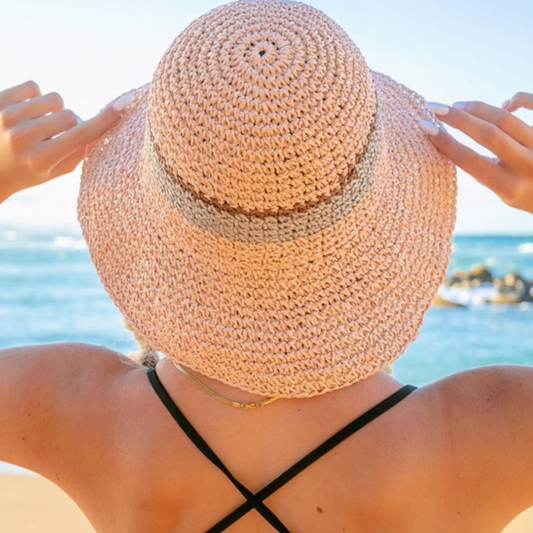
(31, 504)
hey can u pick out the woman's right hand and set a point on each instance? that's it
(510, 174)
(40, 140)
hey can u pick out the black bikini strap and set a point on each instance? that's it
(315, 454)
(252, 500)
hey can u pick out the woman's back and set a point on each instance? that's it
(438, 460)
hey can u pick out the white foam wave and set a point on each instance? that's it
(12, 240)
(469, 295)
(526, 248)
(70, 243)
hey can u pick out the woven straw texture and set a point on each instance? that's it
(268, 211)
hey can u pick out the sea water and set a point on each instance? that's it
(49, 292)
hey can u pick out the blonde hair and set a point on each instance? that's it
(146, 355)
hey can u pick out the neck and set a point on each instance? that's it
(375, 384)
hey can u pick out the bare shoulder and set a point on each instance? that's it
(65, 357)
(487, 431)
(49, 395)
(495, 377)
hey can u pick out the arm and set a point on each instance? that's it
(39, 140)
(490, 409)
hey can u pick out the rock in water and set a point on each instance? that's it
(513, 289)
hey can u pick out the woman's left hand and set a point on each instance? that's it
(29, 152)
(510, 173)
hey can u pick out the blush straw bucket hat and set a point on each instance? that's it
(268, 211)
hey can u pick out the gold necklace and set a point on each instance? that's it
(233, 403)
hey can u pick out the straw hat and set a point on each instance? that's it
(268, 211)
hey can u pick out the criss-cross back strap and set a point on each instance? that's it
(315, 454)
(256, 499)
(251, 498)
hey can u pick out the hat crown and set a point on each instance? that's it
(261, 106)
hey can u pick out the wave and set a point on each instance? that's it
(70, 243)
(12, 240)
(468, 295)
(526, 248)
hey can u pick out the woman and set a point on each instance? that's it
(220, 223)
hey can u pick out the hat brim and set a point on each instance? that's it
(352, 300)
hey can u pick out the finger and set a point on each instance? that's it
(19, 93)
(485, 133)
(68, 164)
(45, 127)
(505, 121)
(488, 173)
(84, 133)
(519, 100)
(32, 108)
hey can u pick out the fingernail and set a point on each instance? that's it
(428, 127)
(123, 102)
(505, 104)
(438, 109)
(460, 105)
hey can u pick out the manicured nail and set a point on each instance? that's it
(460, 105)
(428, 127)
(505, 104)
(123, 102)
(438, 109)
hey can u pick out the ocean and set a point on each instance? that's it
(49, 292)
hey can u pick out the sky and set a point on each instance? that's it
(91, 51)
